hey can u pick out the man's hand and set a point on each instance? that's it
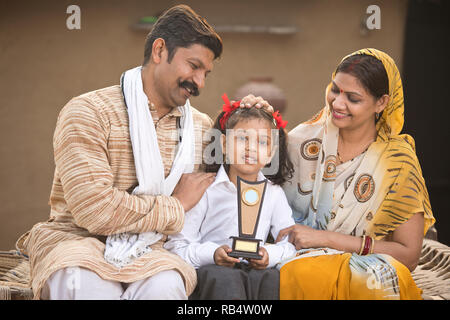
(191, 187)
(221, 257)
(262, 263)
(258, 102)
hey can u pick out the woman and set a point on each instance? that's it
(357, 192)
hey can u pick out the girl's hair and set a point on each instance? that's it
(285, 167)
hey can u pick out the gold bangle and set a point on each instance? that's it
(372, 245)
(362, 245)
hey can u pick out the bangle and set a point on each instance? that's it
(373, 245)
(367, 245)
(362, 245)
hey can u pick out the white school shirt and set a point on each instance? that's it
(214, 219)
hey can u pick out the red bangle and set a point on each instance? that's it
(367, 245)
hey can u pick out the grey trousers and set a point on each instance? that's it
(239, 283)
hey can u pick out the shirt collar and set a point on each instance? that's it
(222, 176)
(174, 112)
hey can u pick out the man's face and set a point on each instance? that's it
(184, 76)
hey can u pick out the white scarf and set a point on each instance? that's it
(121, 249)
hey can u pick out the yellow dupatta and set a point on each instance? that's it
(400, 174)
(385, 191)
(387, 188)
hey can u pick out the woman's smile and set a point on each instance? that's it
(339, 114)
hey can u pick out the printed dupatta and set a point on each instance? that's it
(385, 190)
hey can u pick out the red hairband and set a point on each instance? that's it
(228, 108)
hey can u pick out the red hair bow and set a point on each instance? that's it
(279, 120)
(227, 108)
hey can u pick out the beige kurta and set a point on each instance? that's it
(91, 194)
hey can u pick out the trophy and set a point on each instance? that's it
(250, 200)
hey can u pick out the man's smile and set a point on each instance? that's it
(190, 87)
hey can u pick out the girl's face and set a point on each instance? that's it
(248, 146)
(350, 103)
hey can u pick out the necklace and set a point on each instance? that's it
(340, 159)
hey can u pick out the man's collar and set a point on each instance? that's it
(222, 176)
(174, 112)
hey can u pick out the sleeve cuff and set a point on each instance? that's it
(279, 252)
(171, 214)
(275, 252)
(205, 253)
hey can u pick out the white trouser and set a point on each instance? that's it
(76, 283)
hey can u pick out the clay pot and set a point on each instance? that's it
(264, 87)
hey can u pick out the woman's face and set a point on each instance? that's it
(352, 106)
(248, 145)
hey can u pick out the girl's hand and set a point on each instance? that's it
(221, 257)
(262, 263)
(304, 237)
(258, 102)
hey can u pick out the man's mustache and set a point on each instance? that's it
(191, 87)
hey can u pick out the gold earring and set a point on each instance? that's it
(377, 116)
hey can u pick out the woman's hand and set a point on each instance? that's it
(221, 257)
(262, 263)
(304, 237)
(258, 102)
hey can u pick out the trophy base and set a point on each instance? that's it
(245, 248)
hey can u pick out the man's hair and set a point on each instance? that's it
(180, 26)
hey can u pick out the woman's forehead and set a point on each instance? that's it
(349, 83)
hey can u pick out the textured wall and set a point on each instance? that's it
(43, 65)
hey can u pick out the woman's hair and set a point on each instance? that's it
(285, 167)
(180, 26)
(369, 71)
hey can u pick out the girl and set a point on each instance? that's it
(247, 144)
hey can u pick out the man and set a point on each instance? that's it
(93, 194)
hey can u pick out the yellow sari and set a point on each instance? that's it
(384, 191)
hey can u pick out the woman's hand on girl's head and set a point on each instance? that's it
(258, 102)
(262, 263)
(221, 257)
